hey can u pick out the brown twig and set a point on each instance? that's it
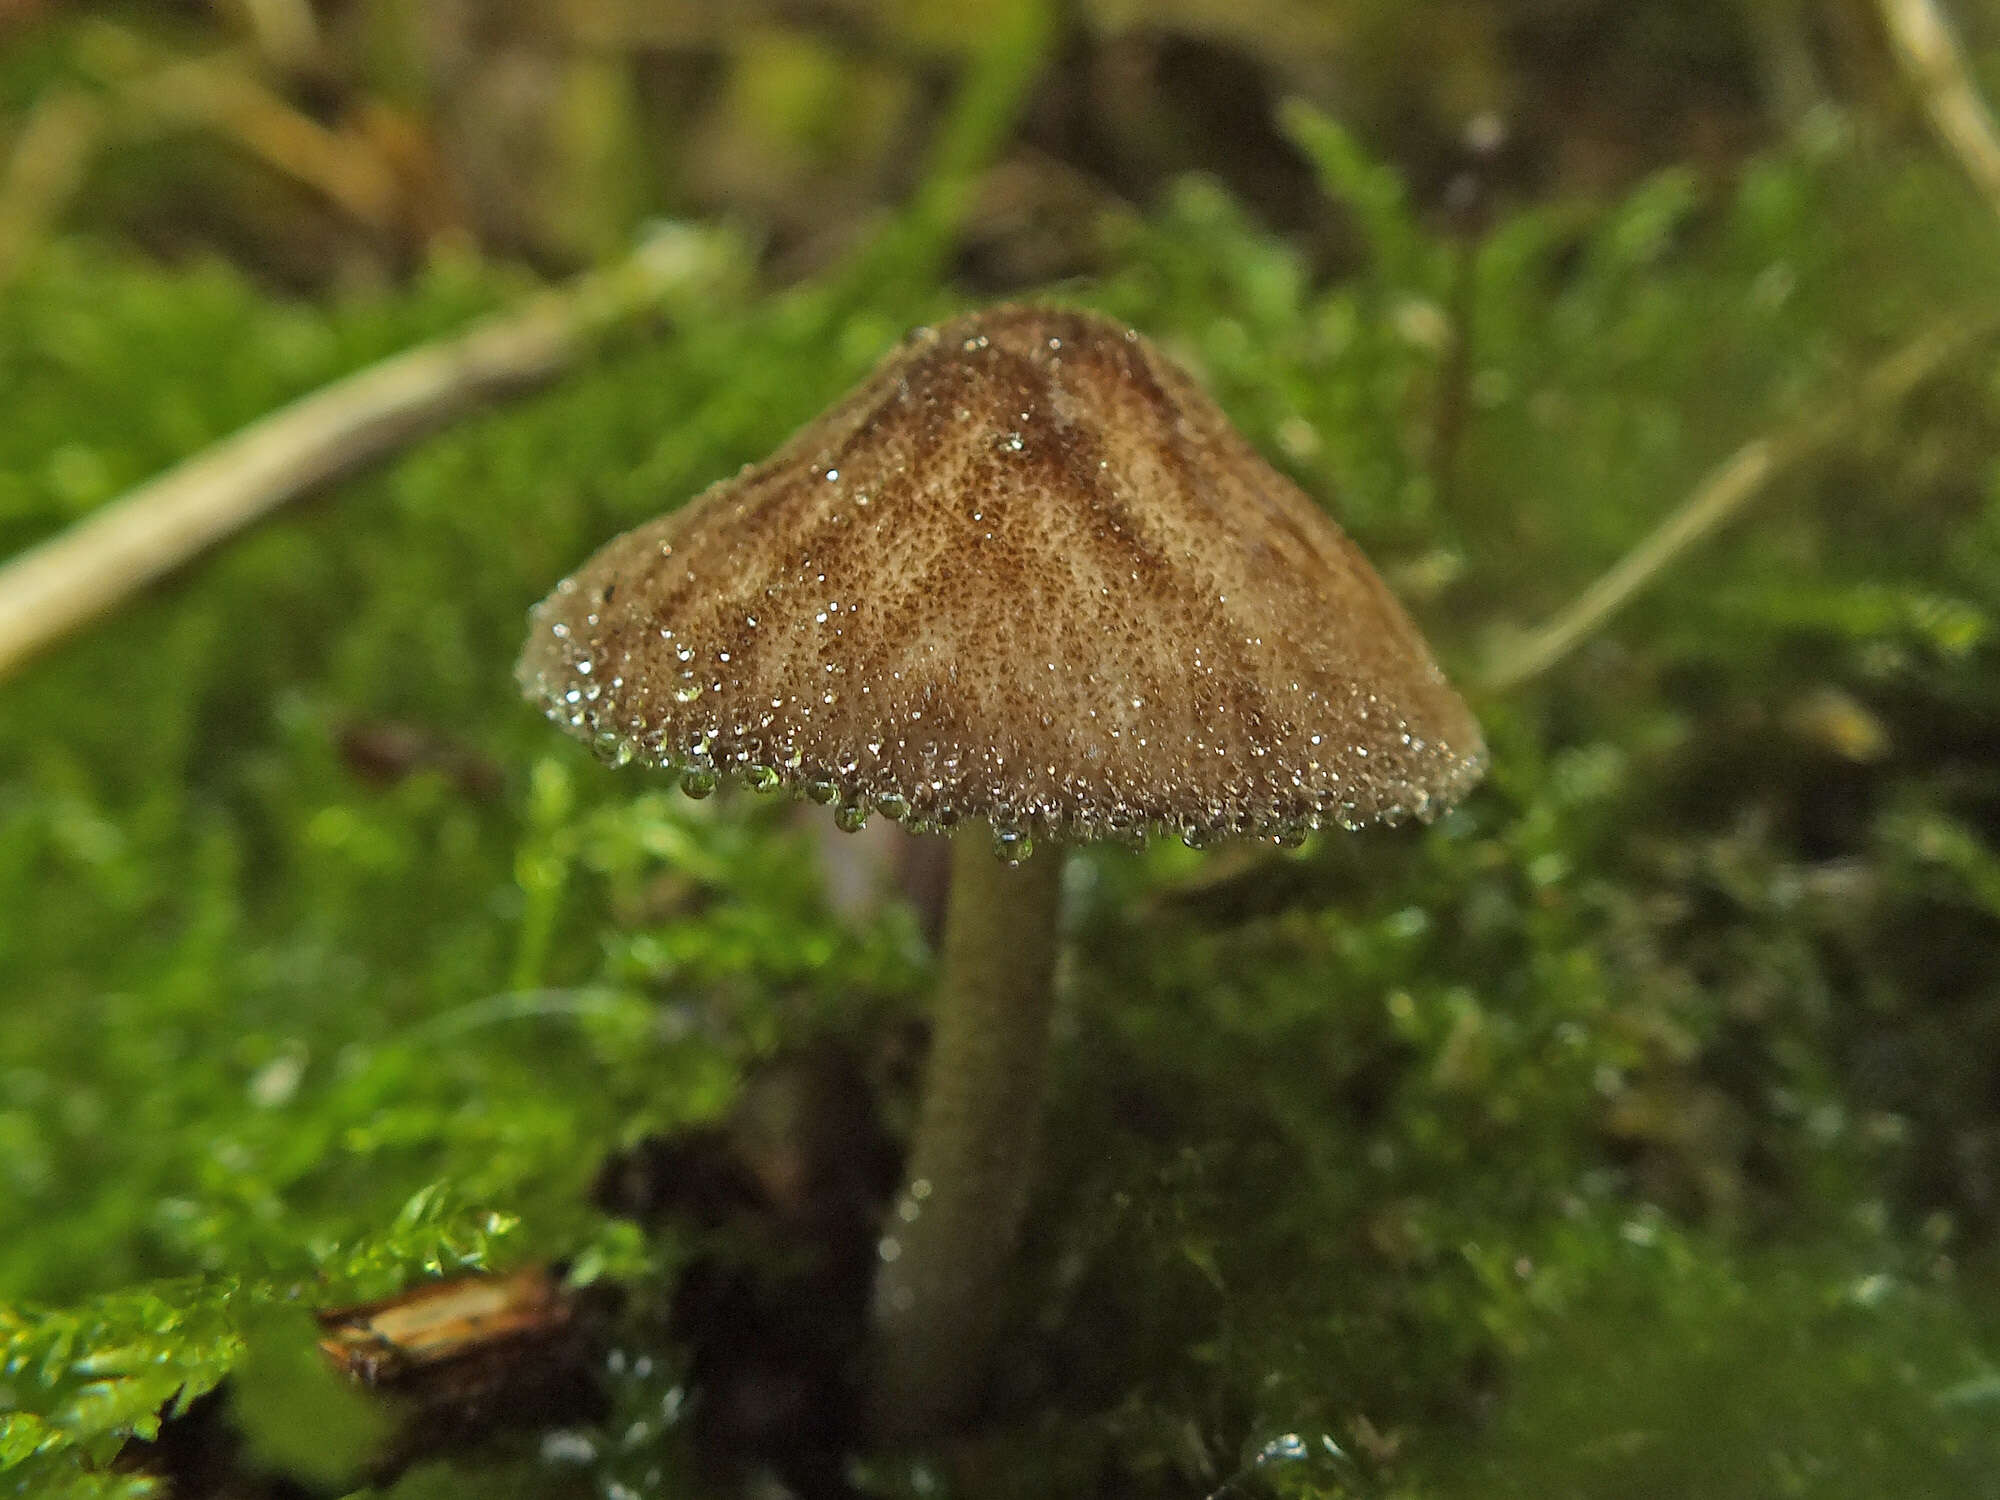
(1726, 490)
(53, 588)
(1935, 67)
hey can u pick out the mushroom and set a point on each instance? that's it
(1028, 586)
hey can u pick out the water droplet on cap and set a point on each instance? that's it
(1012, 844)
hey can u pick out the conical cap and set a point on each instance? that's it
(1028, 573)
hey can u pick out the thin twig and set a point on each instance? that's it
(68, 125)
(285, 31)
(44, 171)
(152, 91)
(220, 94)
(72, 578)
(1726, 490)
(1935, 67)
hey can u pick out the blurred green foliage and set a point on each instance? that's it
(1632, 1131)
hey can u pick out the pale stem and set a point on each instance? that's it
(950, 1234)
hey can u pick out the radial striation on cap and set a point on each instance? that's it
(1027, 573)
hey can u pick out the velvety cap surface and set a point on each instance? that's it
(1027, 572)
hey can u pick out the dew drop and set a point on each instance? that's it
(822, 790)
(697, 781)
(851, 817)
(893, 807)
(687, 692)
(761, 778)
(1012, 844)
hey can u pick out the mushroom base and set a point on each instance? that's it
(951, 1232)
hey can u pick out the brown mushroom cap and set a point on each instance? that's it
(1028, 573)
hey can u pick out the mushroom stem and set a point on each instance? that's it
(951, 1232)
